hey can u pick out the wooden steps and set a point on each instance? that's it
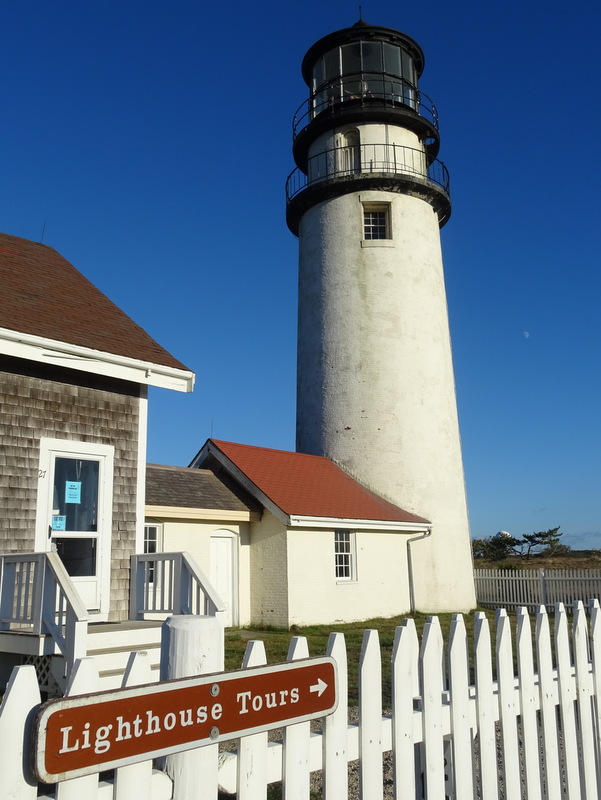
(111, 644)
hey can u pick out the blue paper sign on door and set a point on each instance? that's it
(59, 522)
(72, 491)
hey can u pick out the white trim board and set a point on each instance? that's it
(85, 359)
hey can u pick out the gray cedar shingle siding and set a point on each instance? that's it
(186, 487)
(40, 401)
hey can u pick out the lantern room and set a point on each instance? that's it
(360, 74)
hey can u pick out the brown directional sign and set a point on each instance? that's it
(89, 733)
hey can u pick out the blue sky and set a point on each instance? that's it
(149, 143)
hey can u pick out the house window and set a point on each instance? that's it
(376, 221)
(344, 555)
(152, 544)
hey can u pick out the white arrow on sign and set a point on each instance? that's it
(319, 687)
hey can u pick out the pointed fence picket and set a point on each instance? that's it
(334, 750)
(296, 740)
(252, 750)
(370, 717)
(517, 719)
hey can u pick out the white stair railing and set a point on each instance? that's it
(37, 596)
(171, 583)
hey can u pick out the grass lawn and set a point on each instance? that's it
(277, 642)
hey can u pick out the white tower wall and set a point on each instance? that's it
(376, 390)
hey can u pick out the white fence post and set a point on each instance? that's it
(596, 657)
(20, 700)
(403, 691)
(567, 699)
(431, 682)
(370, 717)
(584, 688)
(508, 706)
(334, 745)
(459, 691)
(529, 701)
(192, 646)
(252, 750)
(485, 709)
(295, 781)
(83, 680)
(548, 706)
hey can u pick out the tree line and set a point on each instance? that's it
(504, 545)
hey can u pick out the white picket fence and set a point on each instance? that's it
(513, 588)
(490, 728)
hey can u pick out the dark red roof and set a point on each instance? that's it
(42, 294)
(310, 486)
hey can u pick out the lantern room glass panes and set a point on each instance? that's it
(360, 70)
(372, 56)
(392, 59)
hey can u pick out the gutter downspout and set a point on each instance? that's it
(410, 568)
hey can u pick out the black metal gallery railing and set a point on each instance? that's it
(364, 89)
(367, 160)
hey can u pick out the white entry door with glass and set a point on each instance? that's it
(74, 517)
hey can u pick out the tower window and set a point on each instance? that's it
(344, 555)
(376, 221)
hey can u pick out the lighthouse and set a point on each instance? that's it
(375, 382)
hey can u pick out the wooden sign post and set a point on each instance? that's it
(86, 734)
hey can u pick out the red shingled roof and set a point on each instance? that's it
(311, 486)
(42, 294)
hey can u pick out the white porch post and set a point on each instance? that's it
(192, 645)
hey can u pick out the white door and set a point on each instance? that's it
(74, 516)
(223, 574)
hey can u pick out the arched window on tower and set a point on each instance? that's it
(349, 156)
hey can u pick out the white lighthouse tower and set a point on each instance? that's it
(375, 386)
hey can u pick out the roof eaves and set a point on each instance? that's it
(85, 359)
(298, 521)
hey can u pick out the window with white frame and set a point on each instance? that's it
(376, 221)
(152, 543)
(344, 555)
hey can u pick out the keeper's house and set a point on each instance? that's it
(74, 373)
